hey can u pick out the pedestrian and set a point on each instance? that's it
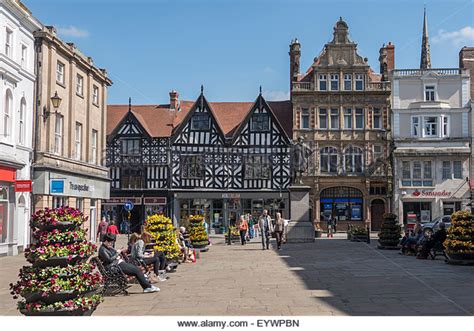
(109, 256)
(278, 229)
(266, 228)
(112, 228)
(256, 229)
(331, 225)
(243, 226)
(285, 230)
(102, 228)
(251, 226)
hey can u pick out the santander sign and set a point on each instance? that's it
(424, 193)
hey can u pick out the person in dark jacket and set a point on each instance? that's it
(437, 239)
(110, 256)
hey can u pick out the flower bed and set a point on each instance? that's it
(56, 283)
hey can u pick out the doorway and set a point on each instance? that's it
(377, 209)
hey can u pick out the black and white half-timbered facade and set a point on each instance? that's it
(219, 159)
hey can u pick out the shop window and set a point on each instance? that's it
(192, 167)
(416, 211)
(329, 159)
(200, 122)
(260, 122)
(257, 167)
(346, 203)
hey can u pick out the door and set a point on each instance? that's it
(377, 209)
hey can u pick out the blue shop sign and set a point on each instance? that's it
(57, 186)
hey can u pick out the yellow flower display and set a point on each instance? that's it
(197, 231)
(161, 227)
(461, 233)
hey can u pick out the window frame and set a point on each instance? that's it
(79, 85)
(24, 56)
(192, 167)
(323, 113)
(9, 42)
(359, 78)
(197, 121)
(323, 78)
(377, 113)
(60, 72)
(423, 180)
(326, 156)
(257, 166)
(347, 79)
(358, 114)
(431, 125)
(304, 118)
(348, 114)
(21, 122)
(58, 136)
(430, 93)
(350, 152)
(95, 95)
(94, 139)
(7, 113)
(334, 78)
(78, 141)
(334, 118)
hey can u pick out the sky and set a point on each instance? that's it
(233, 47)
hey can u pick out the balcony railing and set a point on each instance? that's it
(372, 86)
(421, 72)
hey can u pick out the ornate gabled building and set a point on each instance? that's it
(218, 159)
(341, 108)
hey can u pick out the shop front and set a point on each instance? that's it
(55, 189)
(345, 204)
(7, 209)
(221, 209)
(143, 206)
(425, 205)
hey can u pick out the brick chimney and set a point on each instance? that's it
(174, 102)
(387, 60)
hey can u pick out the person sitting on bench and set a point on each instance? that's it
(435, 240)
(110, 256)
(410, 241)
(155, 258)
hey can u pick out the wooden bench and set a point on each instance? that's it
(114, 280)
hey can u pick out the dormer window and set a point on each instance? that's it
(260, 122)
(429, 93)
(200, 122)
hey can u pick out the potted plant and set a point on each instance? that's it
(164, 235)
(390, 232)
(459, 245)
(358, 233)
(197, 231)
(58, 282)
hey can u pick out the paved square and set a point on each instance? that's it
(328, 277)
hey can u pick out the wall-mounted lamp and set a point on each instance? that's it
(56, 102)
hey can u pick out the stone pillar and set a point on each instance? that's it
(301, 227)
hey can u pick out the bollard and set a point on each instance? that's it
(229, 240)
(368, 235)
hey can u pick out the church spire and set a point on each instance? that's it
(425, 62)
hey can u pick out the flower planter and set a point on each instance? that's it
(57, 261)
(358, 237)
(199, 245)
(57, 225)
(60, 312)
(55, 297)
(460, 258)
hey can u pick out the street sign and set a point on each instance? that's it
(128, 205)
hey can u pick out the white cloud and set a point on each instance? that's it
(276, 95)
(461, 37)
(72, 31)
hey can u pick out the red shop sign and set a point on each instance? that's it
(23, 186)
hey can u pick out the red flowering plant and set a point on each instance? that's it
(56, 236)
(83, 303)
(42, 253)
(56, 215)
(80, 279)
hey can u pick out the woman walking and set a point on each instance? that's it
(243, 227)
(278, 229)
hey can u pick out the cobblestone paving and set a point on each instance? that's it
(328, 277)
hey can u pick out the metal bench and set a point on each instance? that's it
(114, 280)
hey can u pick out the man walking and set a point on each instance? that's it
(266, 228)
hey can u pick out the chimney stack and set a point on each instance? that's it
(387, 60)
(174, 102)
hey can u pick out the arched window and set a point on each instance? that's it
(21, 127)
(7, 113)
(353, 159)
(329, 160)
